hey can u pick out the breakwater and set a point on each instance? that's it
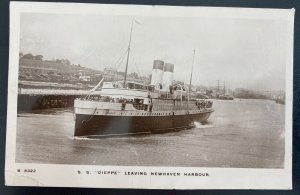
(28, 102)
(35, 99)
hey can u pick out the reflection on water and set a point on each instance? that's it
(52, 111)
(240, 133)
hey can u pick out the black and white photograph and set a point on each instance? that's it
(149, 96)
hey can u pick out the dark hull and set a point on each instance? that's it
(87, 125)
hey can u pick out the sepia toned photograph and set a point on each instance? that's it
(152, 89)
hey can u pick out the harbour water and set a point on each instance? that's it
(239, 134)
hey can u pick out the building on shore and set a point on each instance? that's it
(36, 70)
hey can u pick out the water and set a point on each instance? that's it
(240, 134)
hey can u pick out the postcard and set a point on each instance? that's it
(153, 97)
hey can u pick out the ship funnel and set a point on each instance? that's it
(157, 74)
(167, 77)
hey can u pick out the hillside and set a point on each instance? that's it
(34, 72)
(61, 67)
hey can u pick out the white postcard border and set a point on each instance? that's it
(68, 175)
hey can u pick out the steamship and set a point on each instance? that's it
(126, 108)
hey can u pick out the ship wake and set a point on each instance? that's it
(198, 125)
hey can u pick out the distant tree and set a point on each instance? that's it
(28, 56)
(67, 62)
(134, 75)
(39, 57)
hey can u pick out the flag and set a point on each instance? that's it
(137, 22)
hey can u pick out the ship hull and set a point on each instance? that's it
(105, 125)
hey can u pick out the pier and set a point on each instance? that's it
(34, 99)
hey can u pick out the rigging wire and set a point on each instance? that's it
(120, 60)
(120, 64)
(117, 67)
(186, 72)
(117, 64)
(137, 67)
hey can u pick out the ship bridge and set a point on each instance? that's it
(132, 90)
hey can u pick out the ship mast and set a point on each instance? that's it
(192, 71)
(128, 51)
(190, 86)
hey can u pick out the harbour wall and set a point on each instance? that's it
(35, 99)
(28, 102)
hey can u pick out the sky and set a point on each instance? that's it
(245, 53)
